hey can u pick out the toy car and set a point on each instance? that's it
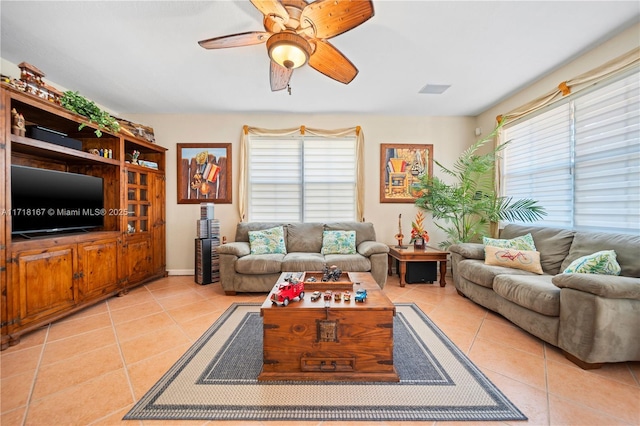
(337, 296)
(315, 296)
(361, 295)
(327, 295)
(346, 296)
(288, 291)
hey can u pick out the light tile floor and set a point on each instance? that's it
(90, 368)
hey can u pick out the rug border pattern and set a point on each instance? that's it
(146, 409)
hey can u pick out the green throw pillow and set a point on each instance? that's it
(339, 242)
(267, 241)
(603, 262)
(524, 242)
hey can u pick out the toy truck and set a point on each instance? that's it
(288, 291)
(361, 295)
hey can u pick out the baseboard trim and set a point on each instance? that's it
(180, 272)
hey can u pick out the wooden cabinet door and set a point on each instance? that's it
(158, 228)
(45, 279)
(138, 259)
(97, 268)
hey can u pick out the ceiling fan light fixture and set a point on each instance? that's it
(288, 49)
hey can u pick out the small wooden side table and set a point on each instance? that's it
(410, 254)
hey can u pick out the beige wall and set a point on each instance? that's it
(616, 46)
(449, 136)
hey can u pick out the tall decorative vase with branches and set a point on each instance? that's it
(466, 207)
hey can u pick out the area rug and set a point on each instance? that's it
(216, 380)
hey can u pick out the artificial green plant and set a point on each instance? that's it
(80, 105)
(469, 204)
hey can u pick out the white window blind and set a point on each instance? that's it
(302, 179)
(537, 163)
(607, 158)
(581, 159)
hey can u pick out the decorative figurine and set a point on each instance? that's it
(134, 156)
(315, 296)
(18, 127)
(325, 273)
(346, 296)
(333, 274)
(400, 236)
(337, 296)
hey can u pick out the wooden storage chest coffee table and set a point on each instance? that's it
(330, 340)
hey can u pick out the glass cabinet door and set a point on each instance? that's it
(137, 201)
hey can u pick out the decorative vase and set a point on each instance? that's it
(418, 243)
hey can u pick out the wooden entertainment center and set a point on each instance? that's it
(44, 277)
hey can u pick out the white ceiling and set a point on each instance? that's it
(143, 56)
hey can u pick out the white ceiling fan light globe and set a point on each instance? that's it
(288, 49)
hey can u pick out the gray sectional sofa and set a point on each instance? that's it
(592, 318)
(241, 271)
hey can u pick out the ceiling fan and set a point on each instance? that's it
(297, 33)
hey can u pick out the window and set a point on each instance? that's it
(581, 159)
(301, 179)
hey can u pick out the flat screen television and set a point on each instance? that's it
(47, 201)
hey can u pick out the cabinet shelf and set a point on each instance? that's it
(39, 148)
(46, 277)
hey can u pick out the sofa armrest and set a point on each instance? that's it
(238, 249)
(468, 250)
(367, 248)
(608, 286)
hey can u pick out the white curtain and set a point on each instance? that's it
(302, 130)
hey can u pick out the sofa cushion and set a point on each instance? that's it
(468, 250)
(552, 243)
(607, 286)
(523, 242)
(256, 264)
(338, 242)
(349, 262)
(267, 241)
(364, 230)
(304, 237)
(626, 246)
(602, 262)
(243, 228)
(527, 260)
(369, 248)
(534, 292)
(299, 262)
(477, 272)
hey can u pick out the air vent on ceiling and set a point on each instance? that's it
(434, 89)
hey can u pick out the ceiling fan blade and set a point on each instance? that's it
(332, 17)
(329, 61)
(279, 76)
(235, 40)
(271, 7)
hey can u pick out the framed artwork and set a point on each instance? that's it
(401, 165)
(204, 173)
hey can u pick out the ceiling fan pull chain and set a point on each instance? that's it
(289, 89)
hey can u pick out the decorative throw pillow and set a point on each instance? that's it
(527, 260)
(267, 241)
(603, 262)
(339, 242)
(524, 242)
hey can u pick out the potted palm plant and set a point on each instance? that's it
(469, 204)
